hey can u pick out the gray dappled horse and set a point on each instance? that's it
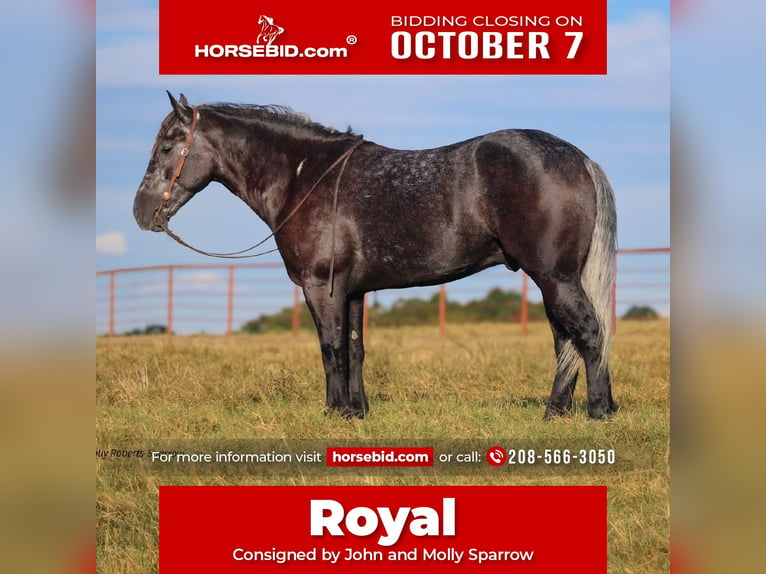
(351, 216)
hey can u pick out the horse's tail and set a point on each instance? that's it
(598, 273)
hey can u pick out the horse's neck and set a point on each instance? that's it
(263, 175)
(244, 172)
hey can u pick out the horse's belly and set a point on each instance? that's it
(420, 267)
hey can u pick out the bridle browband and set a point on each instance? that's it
(167, 194)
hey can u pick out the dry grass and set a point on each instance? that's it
(482, 385)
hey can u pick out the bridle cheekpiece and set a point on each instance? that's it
(167, 194)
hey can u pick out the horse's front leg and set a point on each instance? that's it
(330, 315)
(357, 396)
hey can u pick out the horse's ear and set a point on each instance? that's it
(181, 108)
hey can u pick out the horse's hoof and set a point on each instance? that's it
(345, 412)
(358, 413)
(556, 412)
(603, 413)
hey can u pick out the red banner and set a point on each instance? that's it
(398, 37)
(372, 529)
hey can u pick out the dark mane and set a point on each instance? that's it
(281, 115)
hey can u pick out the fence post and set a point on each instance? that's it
(296, 310)
(230, 302)
(524, 303)
(170, 300)
(111, 303)
(442, 311)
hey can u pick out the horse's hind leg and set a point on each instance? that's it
(572, 313)
(560, 401)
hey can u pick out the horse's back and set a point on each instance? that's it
(520, 197)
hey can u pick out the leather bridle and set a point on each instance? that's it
(167, 194)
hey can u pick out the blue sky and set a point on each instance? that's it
(621, 120)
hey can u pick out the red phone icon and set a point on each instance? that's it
(496, 456)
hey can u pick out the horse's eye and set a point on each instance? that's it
(165, 149)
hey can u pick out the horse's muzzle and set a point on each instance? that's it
(148, 219)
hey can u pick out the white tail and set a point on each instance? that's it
(597, 276)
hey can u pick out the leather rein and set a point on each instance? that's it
(167, 194)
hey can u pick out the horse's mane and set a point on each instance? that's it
(281, 115)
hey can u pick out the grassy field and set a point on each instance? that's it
(482, 385)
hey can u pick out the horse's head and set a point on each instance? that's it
(164, 190)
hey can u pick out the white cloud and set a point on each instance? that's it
(202, 280)
(111, 243)
(197, 281)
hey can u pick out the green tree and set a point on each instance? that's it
(497, 305)
(153, 329)
(642, 312)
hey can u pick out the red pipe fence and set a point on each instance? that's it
(190, 297)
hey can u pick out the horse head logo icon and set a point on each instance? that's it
(269, 30)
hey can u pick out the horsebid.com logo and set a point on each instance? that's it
(269, 30)
(265, 47)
